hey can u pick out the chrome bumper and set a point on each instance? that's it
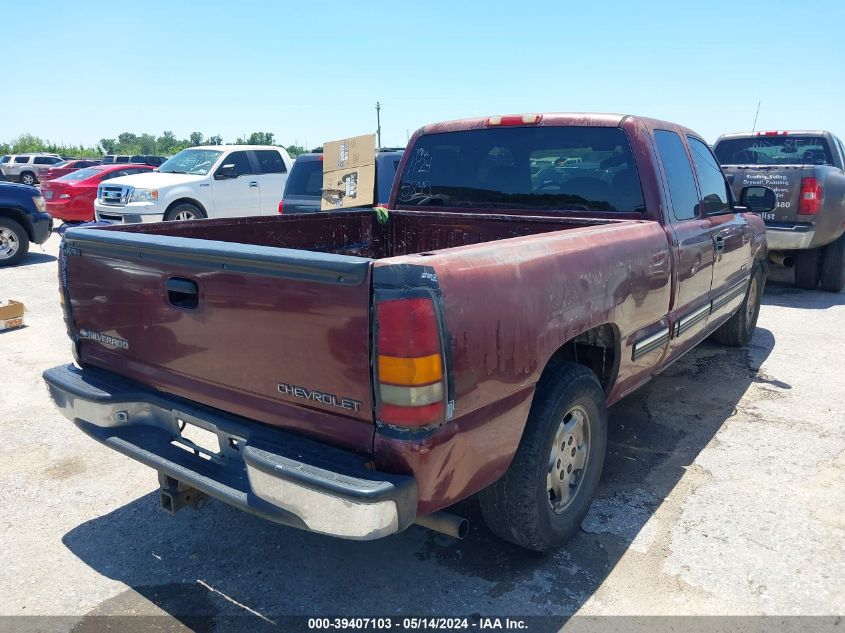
(790, 237)
(268, 472)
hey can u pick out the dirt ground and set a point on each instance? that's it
(723, 493)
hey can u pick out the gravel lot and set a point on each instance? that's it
(723, 493)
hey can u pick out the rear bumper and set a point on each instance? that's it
(276, 475)
(789, 237)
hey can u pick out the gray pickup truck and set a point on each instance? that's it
(806, 170)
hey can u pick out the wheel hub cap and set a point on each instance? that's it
(568, 458)
(8, 244)
(751, 304)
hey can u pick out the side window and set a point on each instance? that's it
(241, 162)
(841, 149)
(43, 160)
(714, 190)
(270, 161)
(21, 159)
(678, 173)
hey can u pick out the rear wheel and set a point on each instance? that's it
(739, 329)
(541, 500)
(14, 242)
(833, 266)
(184, 211)
(808, 268)
(28, 178)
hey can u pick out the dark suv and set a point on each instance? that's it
(23, 219)
(305, 181)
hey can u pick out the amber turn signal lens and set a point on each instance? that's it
(421, 370)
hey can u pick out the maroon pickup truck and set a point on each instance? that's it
(357, 375)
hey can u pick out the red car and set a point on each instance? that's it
(71, 197)
(65, 167)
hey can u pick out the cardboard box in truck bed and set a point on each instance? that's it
(349, 172)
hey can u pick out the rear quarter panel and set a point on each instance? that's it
(508, 307)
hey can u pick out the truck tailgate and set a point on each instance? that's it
(784, 180)
(277, 335)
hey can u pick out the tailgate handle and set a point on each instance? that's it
(182, 293)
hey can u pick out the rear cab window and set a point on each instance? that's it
(566, 168)
(774, 150)
(306, 178)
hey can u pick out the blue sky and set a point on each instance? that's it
(312, 71)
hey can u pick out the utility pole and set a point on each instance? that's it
(378, 122)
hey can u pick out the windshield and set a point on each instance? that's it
(79, 174)
(774, 150)
(61, 163)
(539, 168)
(191, 161)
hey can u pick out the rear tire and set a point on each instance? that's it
(833, 266)
(540, 501)
(738, 330)
(28, 178)
(808, 268)
(184, 211)
(14, 242)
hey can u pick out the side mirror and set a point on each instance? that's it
(758, 199)
(224, 172)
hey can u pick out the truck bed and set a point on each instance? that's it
(225, 312)
(358, 233)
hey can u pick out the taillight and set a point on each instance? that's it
(812, 194)
(410, 372)
(281, 206)
(64, 301)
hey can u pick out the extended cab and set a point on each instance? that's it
(353, 373)
(23, 219)
(215, 181)
(806, 170)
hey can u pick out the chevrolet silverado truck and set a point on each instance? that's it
(806, 170)
(353, 373)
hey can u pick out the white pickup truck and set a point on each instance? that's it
(215, 181)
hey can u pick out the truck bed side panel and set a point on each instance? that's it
(508, 308)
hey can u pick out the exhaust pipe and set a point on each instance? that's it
(781, 259)
(445, 523)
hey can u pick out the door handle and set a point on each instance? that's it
(719, 243)
(182, 293)
(253, 183)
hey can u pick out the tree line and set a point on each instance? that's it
(128, 143)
